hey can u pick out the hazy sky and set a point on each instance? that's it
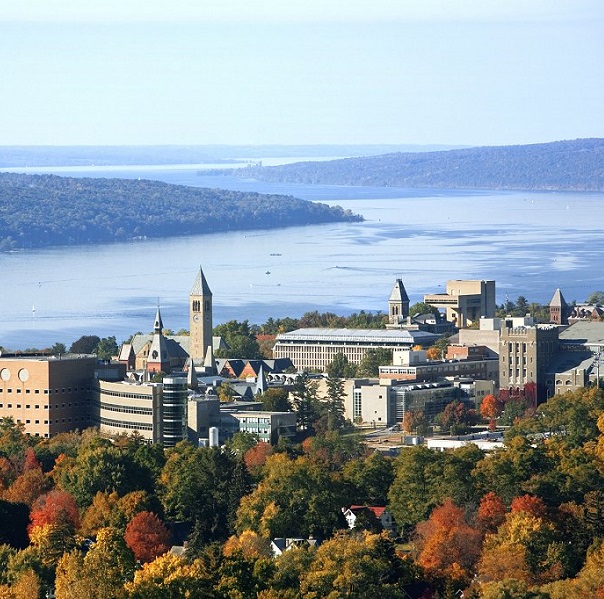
(480, 72)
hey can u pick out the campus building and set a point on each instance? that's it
(414, 366)
(465, 301)
(156, 411)
(315, 348)
(47, 394)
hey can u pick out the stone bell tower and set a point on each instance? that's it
(200, 318)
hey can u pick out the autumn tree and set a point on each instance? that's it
(249, 543)
(256, 456)
(28, 487)
(491, 407)
(447, 544)
(57, 508)
(491, 513)
(147, 536)
(356, 566)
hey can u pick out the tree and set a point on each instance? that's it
(249, 543)
(295, 498)
(356, 566)
(370, 478)
(58, 349)
(491, 513)
(28, 487)
(275, 400)
(256, 456)
(340, 367)
(86, 344)
(434, 353)
(241, 342)
(447, 544)
(595, 297)
(372, 360)
(423, 308)
(335, 403)
(491, 407)
(57, 508)
(195, 487)
(147, 537)
(107, 348)
(305, 401)
(241, 442)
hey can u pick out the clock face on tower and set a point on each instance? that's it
(196, 317)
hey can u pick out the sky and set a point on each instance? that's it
(185, 72)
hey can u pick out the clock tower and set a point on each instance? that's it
(200, 318)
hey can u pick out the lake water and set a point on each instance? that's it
(530, 243)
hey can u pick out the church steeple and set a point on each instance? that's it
(200, 318)
(158, 359)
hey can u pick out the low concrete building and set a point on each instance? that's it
(465, 301)
(414, 366)
(382, 403)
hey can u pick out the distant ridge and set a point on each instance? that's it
(557, 166)
(44, 156)
(46, 210)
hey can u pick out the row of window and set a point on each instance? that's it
(47, 391)
(124, 424)
(28, 421)
(19, 406)
(129, 395)
(108, 407)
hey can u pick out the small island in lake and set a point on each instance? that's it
(47, 210)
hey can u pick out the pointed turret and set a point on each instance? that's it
(158, 359)
(558, 309)
(192, 381)
(398, 303)
(261, 382)
(158, 325)
(201, 287)
(209, 365)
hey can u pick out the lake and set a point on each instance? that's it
(530, 243)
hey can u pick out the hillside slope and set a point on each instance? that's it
(564, 166)
(46, 210)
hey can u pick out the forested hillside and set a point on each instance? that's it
(46, 210)
(564, 165)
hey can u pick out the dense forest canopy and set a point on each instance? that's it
(563, 165)
(46, 210)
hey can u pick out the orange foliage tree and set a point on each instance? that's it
(447, 543)
(147, 536)
(491, 407)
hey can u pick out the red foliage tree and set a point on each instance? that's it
(31, 462)
(57, 507)
(529, 504)
(491, 512)
(147, 536)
